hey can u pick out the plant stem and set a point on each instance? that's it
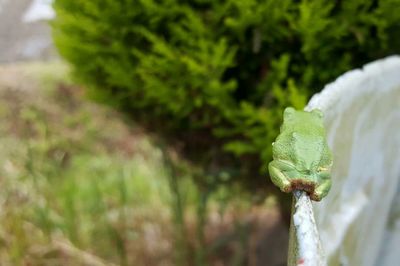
(201, 222)
(177, 209)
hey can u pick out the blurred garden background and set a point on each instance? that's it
(137, 132)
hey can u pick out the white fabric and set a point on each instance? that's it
(359, 220)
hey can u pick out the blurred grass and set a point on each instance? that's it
(73, 173)
(78, 186)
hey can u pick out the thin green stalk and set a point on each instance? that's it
(201, 222)
(122, 220)
(178, 211)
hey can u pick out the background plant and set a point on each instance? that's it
(213, 76)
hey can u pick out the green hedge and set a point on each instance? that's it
(213, 76)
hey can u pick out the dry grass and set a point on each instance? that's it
(80, 187)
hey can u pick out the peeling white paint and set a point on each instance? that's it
(310, 251)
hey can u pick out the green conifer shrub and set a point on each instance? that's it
(213, 76)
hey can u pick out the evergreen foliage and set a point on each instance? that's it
(215, 75)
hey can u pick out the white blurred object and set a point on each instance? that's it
(359, 220)
(39, 10)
